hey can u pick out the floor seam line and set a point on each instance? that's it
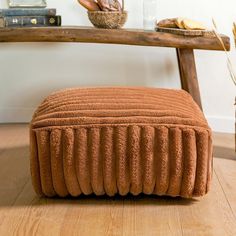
(225, 195)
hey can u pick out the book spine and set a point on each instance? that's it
(28, 12)
(27, 3)
(30, 21)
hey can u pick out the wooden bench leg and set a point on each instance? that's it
(188, 73)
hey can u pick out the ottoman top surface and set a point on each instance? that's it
(118, 106)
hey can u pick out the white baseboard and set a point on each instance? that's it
(221, 124)
(23, 115)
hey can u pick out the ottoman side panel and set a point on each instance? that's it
(34, 163)
(161, 160)
(44, 157)
(57, 167)
(204, 162)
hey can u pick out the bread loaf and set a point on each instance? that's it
(167, 23)
(192, 25)
(181, 23)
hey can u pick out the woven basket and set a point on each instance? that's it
(108, 20)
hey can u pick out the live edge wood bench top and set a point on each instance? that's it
(123, 36)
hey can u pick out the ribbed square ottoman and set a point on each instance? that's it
(119, 141)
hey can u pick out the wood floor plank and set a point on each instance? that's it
(151, 215)
(14, 161)
(23, 213)
(224, 146)
(226, 174)
(93, 217)
(211, 215)
(31, 215)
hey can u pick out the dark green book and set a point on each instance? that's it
(30, 21)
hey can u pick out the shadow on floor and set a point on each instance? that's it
(225, 153)
(117, 200)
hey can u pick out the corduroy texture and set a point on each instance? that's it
(120, 140)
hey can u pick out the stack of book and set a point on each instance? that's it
(29, 17)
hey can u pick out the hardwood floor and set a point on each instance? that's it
(23, 213)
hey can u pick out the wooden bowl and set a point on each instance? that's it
(108, 20)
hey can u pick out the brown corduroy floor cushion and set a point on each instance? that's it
(119, 141)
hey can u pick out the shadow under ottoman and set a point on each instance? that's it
(120, 140)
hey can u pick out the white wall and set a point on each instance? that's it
(29, 72)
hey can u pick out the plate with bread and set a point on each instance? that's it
(183, 26)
